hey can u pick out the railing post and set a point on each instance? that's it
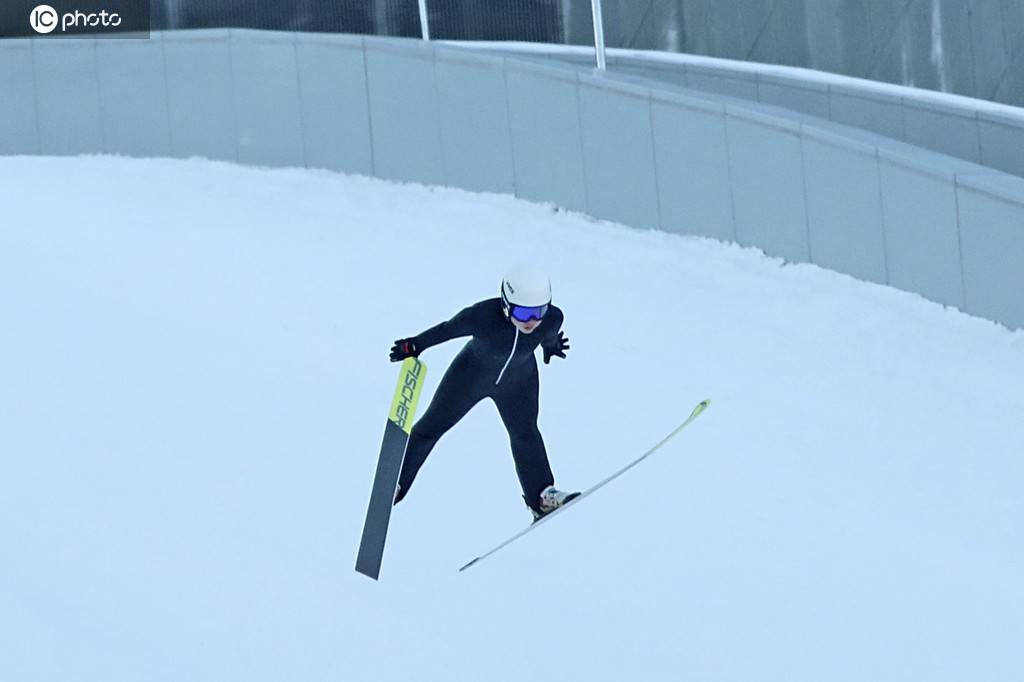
(423, 20)
(595, 8)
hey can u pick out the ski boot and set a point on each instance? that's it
(550, 499)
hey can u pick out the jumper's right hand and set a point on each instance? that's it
(404, 348)
(555, 347)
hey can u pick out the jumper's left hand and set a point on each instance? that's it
(405, 348)
(556, 347)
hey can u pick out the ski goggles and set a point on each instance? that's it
(526, 313)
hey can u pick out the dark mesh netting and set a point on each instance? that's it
(528, 20)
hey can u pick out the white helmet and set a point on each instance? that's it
(527, 289)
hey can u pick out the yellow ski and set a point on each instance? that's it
(389, 466)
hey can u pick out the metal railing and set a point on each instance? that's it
(597, 15)
(530, 20)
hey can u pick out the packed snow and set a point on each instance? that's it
(193, 388)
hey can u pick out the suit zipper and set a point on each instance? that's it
(514, 342)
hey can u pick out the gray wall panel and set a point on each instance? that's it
(768, 195)
(665, 73)
(266, 98)
(545, 121)
(730, 84)
(943, 125)
(1002, 143)
(403, 112)
(844, 210)
(65, 72)
(992, 238)
(694, 187)
(202, 114)
(809, 98)
(877, 113)
(474, 123)
(133, 97)
(944, 130)
(921, 232)
(334, 102)
(618, 155)
(18, 131)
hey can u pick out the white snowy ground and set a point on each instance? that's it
(193, 388)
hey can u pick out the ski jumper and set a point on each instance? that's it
(497, 363)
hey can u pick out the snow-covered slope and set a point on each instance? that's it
(193, 387)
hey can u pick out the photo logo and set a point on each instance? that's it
(44, 19)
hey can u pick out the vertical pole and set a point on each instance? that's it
(595, 6)
(423, 20)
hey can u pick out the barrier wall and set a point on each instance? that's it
(795, 186)
(986, 133)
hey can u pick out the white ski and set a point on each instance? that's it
(703, 405)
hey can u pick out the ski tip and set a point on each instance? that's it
(701, 406)
(469, 564)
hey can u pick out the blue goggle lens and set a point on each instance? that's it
(527, 313)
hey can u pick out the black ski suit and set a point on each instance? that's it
(497, 363)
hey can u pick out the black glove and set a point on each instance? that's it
(405, 348)
(556, 346)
